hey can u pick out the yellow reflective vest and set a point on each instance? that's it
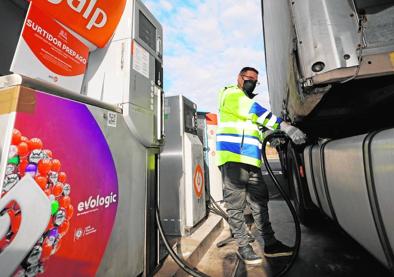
(238, 136)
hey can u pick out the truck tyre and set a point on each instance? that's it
(299, 192)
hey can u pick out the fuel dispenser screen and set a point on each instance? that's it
(190, 120)
(147, 31)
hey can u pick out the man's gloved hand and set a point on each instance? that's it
(273, 142)
(295, 134)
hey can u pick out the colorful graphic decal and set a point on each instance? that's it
(63, 149)
(29, 157)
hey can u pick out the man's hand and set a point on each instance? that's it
(295, 134)
(275, 142)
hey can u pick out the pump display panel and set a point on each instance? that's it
(147, 31)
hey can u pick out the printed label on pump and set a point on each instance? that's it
(140, 60)
(198, 181)
(112, 119)
(47, 51)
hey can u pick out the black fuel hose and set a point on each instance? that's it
(181, 263)
(215, 208)
(288, 202)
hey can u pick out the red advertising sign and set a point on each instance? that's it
(53, 45)
(95, 20)
(50, 51)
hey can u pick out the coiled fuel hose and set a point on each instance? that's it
(195, 272)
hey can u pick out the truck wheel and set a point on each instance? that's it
(298, 187)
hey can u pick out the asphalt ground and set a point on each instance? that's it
(325, 250)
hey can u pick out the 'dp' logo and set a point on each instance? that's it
(95, 20)
(198, 181)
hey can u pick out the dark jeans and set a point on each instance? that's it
(243, 183)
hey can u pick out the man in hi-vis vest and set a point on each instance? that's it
(239, 158)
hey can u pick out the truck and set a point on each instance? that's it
(330, 68)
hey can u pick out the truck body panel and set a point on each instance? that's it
(330, 62)
(382, 163)
(356, 189)
(344, 167)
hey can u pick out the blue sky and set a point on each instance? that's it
(206, 43)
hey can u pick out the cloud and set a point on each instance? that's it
(166, 5)
(206, 43)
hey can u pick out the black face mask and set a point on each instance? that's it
(248, 88)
